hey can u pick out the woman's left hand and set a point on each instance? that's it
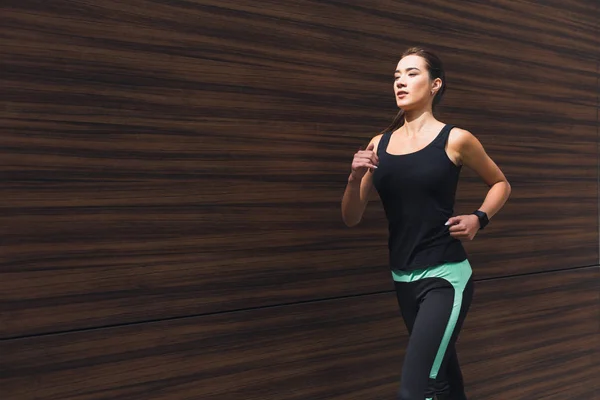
(464, 227)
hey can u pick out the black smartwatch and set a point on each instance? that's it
(483, 218)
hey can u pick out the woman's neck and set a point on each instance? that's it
(417, 121)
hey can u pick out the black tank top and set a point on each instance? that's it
(418, 191)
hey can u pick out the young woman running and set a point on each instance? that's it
(414, 166)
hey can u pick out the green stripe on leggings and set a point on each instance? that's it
(457, 274)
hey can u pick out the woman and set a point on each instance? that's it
(414, 166)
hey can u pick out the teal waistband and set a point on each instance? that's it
(456, 273)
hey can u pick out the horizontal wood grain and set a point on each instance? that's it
(162, 159)
(525, 337)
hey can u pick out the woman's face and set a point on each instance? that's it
(412, 86)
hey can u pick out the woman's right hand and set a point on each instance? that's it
(364, 160)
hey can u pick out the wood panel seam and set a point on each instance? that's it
(270, 306)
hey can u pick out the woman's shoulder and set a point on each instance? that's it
(459, 136)
(462, 140)
(375, 140)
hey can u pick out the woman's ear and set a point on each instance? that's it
(436, 85)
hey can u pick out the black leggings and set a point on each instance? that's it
(434, 304)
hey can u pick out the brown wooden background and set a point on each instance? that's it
(171, 173)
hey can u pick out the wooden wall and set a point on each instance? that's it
(171, 179)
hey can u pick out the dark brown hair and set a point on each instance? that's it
(435, 69)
